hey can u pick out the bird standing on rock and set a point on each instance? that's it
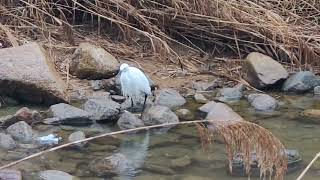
(134, 83)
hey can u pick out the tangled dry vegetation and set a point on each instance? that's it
(287, 30)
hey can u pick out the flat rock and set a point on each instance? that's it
(55, 175)
(231, 94)
(184, 114)
(118, 99)
(170, 98)
(93, 62)
(128, 120)
(77, 136)
(199, 98)
(262, 102)
(159, 115)
(102, 109)
(21, 131)
(10, 174)
(206, 108)
(262, 71)
(299, 82)
(6, 142)
(222, 112)
(69, 115)
(28, 74)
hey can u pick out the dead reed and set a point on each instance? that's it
(287, 30)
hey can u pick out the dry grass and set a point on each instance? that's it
(287, 30)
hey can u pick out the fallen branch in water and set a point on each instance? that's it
(308, 167)
(240, 137)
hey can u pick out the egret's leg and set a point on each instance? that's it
(131, 102)
(144, 103)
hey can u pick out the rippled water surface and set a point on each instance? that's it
(176, 154)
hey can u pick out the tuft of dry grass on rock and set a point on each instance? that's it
(286, 30)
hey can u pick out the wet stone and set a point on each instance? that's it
(159, 115)
(102, 109)
(128, 120)
(299, 82)
(316, 90)
(184, 114)
(118, 99)
(262, 102)
(6, 142)
(231, 94)
(21, 131)
(76, 136)
(69, 115)
(55, 175)
(10, 174)
(199, 98)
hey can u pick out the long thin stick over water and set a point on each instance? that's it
(308, 167)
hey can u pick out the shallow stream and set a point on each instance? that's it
(177, 154)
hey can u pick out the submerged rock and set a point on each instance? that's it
(238, 169)
(128, 120)
(23, 114)
(170, 98)
(221, 111)
(311, 115)
(55, 175)
(262, 102)
(316, 90)
(199, 98)
(92, 62)
(68, 115)
(28, 74)
(102, 109)
(10, 174)
(262, 71)
(6, 142)
(184, 114)
(299, 82)
(159, 115)
(77, 136)
(231, 94)
(21, 131)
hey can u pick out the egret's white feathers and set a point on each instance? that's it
(134, 83)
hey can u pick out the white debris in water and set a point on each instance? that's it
(50, 139)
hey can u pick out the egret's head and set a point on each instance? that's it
(123, 67)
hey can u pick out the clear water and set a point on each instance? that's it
(176, 154)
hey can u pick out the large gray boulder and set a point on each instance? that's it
(300, 82)
(159, 115)
(170, 98)
(102, 109)
(93, 62)
(67, 115)
(28, 74)
(262, 71)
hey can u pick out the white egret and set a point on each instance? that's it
(134, 83)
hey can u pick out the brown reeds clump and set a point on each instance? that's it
(287, 30)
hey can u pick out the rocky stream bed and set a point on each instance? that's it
(34, 103)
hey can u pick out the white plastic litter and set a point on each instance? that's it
(50, 139)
